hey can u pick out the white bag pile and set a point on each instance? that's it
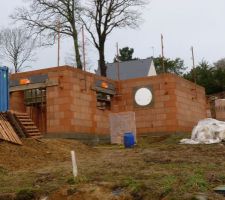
(207, 131)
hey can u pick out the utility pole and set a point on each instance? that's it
(193, 60)
(153, 51)
(84, 58)
(194, 70)
(118, 64)
(162, 46)
(59, 27)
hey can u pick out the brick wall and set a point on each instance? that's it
(17, 101)
(72, 105)
(214, 109)
(175, 105)
(220, 109)
(191, 104)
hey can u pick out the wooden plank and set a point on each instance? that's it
(4, 136)
(16, 125)
(2, 130)
(49, 83)
(7, 131)
(29, 123)
(6, 128)
(11, 130)
(35, 134)
(103, 90)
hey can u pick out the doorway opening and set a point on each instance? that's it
(35, 102)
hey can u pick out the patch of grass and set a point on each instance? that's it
(196, 182)
(212, 166)
(167, 184)
(71, 181)
(221, 177)
(145, 141)
(174, 139)
(132, 184)
(25, 194)
(3, 171)
(172, 166)
(77, 180)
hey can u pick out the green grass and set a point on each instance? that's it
(132, 184)
(77, 180)
(168, 183)
(196, 182)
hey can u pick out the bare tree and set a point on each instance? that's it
(16, 47)
(101, 17)
(50, 17)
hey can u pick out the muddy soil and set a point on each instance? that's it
(157, 168)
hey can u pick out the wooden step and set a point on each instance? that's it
(34, 134)
(31, 127)
(25, 120)
(23, 117)
(28, 123)
(28, 126)
(36, 137)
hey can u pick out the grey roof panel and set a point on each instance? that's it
(128, 69)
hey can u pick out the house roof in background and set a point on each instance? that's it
(129, 69)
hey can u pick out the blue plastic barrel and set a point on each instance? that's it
(129, 140)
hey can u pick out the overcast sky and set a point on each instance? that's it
(182, 22)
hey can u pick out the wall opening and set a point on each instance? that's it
(35, 102)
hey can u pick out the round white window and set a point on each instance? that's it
(143, 97)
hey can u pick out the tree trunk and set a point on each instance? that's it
(76, 48)
(15, 65)
(102, 64)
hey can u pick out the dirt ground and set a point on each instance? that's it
(157, 168)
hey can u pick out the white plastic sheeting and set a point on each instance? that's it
(207, 131)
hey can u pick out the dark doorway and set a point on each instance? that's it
(35, 102)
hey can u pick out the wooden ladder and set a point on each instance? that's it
(27, 125)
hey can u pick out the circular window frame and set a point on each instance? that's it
(135, 90)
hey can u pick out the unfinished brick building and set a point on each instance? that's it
(67, 102)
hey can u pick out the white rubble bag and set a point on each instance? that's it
(207, 131)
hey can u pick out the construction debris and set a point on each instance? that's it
(220, 189)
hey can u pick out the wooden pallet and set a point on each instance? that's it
(7, 132)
